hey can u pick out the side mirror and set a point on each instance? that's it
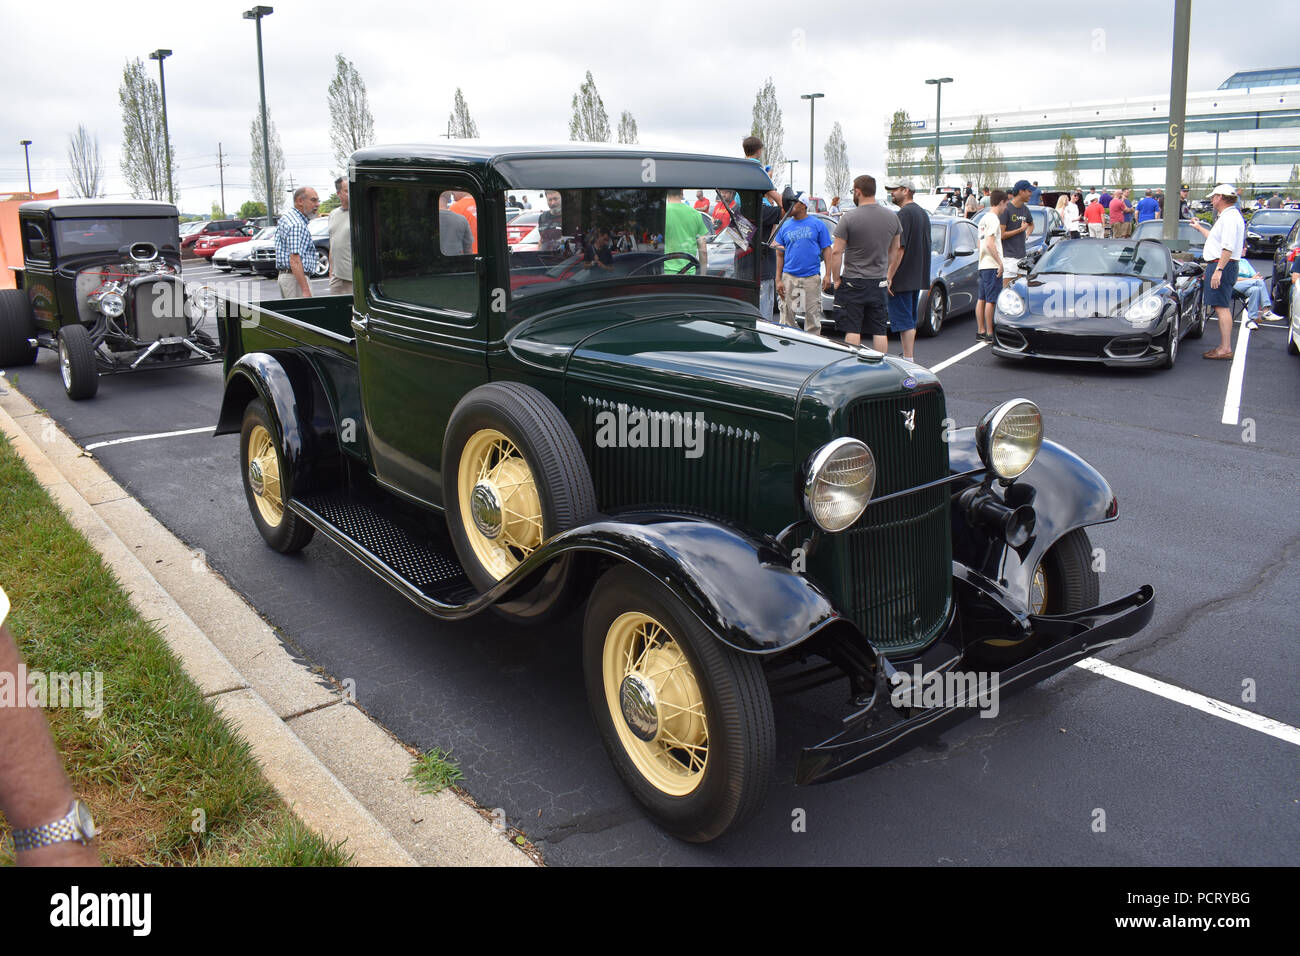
(1056, 232)
(963, 251)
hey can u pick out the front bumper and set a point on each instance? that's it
(1117, 348)
(878, 731)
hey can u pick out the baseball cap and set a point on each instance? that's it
(803, 198)
(1022, 184)
(1224, 189)
(901, 184)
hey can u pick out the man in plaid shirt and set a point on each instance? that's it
(295, 252)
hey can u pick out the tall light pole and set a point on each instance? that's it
(256, 14)
(1177, 109)
(1104, 141)
(790, 163)
(24, 143)
(812, 99)
(1215, 178)
(161, 55)
(938, 125)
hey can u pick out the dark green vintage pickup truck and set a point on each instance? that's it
(596, 413)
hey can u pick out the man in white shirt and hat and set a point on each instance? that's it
(1224, 245)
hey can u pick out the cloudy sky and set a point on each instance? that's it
(688, 71)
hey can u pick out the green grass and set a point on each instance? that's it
(159, 752)
(434, 771)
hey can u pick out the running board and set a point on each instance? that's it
(425, 573)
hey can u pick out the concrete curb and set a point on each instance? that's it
(341, 773)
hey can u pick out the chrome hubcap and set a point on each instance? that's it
(65, 366)
(485, 508)
(255, 477)
(640, 710)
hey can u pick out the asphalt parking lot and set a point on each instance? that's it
(1207, 517)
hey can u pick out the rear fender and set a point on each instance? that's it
(1065, 492)
(294, 398)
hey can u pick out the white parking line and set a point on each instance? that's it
(958, 357)
(1232, 400)
(1207, 705)
(123, 441)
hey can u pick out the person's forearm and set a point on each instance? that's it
(780, 262)
(295, 266)
(34, 790)
(895, 257)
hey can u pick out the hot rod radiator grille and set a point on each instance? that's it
(719, 479)
(896, 576)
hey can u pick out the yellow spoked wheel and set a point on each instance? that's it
(685, 718)
(500, 508)
(263, 467)
(268, 484)
(1038, 591)
(655, 703)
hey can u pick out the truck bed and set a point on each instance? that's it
(321, 322)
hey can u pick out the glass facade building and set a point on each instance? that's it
(1246, 132)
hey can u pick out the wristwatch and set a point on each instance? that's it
(76, 825)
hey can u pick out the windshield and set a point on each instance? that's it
(189, 227)
(1274, 217)
(266, 232)
(1040, 221)
(1105, 257)
(75, 237)
(666, 236)
(1155, 229)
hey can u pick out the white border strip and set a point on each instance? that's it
(123, 441)
(1232, 399)
(1207, 705)
(958, 357)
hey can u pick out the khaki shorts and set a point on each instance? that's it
(289, 288)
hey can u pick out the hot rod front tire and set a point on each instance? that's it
(77, 363)
(514, 476)
(686, 720)
(267, 484)
(17, 328)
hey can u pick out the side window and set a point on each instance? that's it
(36, 245)
(967, 237)
(425, 240)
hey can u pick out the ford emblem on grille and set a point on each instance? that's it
(909, 382)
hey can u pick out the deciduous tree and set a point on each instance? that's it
(590, 122)
(352, 125)
(898, 159)
(1066, 168)
(144, 150)
(985, 165)
(767, 126)
(85, 164)
(838, 178)
(460, 125)
(627, 132)
(257, 166)
(1123, 175)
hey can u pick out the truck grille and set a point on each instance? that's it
(719, 481)
(895, 572)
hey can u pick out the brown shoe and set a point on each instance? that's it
(1216, 354)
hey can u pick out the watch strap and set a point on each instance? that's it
(47, 834)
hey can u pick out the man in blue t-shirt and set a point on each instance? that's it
(1148, 208)
(802, 244)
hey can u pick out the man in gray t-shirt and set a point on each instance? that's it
(865, 238)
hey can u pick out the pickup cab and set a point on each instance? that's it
(604, 418)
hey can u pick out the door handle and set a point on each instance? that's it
(361, 324)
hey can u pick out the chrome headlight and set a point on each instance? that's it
(1145, 309)
(112, 304)
(841, 478)
(1008, 437)
(1010, 303)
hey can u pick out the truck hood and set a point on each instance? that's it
(710, 352)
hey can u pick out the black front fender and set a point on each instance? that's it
(1065, 492)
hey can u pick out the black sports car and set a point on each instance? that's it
(1283, 255)
(1267, 228)
(1114, 301)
